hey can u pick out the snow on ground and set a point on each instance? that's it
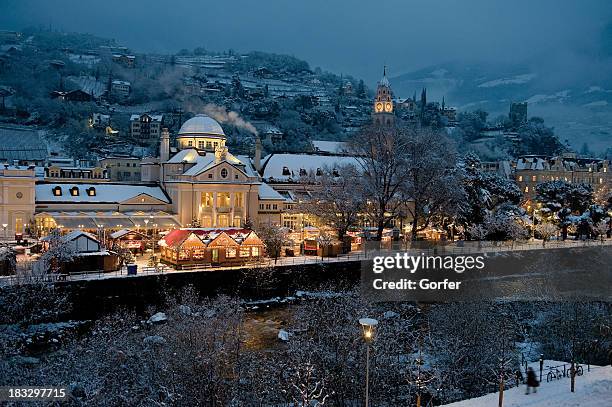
(515, 80)
(593, 389)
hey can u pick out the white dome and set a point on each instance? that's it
(201, 125)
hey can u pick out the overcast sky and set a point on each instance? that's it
(344, 36)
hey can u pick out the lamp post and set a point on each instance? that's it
(368, 326)
(146, 222)
(4, 226)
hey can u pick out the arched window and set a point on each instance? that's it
(57, 191)
(74, 191)
(91, 191)
(286, 171)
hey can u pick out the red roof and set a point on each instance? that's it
(176, 237)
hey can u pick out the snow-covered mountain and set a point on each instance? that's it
(572, 94)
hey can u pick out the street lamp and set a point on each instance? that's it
(368, 326)
(4, 226)
(146, 222)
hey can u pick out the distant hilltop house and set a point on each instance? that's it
(146, 126)
(76, 95)
(120, 89)
(129, 61)
(269, 132)
(99, 120)
(88, 84)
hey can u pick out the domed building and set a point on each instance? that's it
(209, 186)
(201, 132)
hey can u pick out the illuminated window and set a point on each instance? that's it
(245, 252)
(520, 178)
(223, 199)
(230, 252)
(526, 189)
(208, 199)
(238, 199)
(91, 191)
(74, 191)
(57, 191)
(255, 251)
(534, 178)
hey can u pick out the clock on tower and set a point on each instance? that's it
(383, 102)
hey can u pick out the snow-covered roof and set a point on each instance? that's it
(201, 125)
(330, 146)
(266, 192)
(21, 144)
(154, 117)
(531, 163)
(104, 192)
(68, 237)
(204, 161)
(286, 167)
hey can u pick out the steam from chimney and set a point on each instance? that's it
(220, 114)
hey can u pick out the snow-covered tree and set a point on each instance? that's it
(273, 238)
(485, 191)
(602, 229)
(478, 232)
(546, 231)
(338, 200)
(59, 252)
(431, 188)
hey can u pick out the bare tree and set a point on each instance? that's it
(431, 187)
(380, 153)
(339, 201)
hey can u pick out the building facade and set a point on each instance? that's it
(533, 170)
(17, 200)
(146, 126)
(122, 169)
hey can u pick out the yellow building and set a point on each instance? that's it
(208, 186)
(16, 199)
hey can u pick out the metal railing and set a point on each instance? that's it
(451, 248)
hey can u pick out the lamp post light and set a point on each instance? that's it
(4, 226)
(368, 326)
(146, 222)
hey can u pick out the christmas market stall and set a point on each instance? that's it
(210, 247)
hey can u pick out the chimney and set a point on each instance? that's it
(257, 159)
(164, 147)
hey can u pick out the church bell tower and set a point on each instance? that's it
(383, 114)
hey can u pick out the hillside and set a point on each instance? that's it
(573, 93)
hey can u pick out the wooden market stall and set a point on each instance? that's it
(210, 246)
